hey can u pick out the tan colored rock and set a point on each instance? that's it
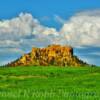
(52, 55)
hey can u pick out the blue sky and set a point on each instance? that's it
(57, 20)
(41, 8)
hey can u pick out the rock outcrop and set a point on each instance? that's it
(56, 55)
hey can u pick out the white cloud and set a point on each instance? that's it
(23, 29)
(83, 29)
(18, 27)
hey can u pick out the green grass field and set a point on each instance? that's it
(50, 83)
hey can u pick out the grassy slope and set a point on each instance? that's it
(49, 83)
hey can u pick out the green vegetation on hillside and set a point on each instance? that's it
(50, 83)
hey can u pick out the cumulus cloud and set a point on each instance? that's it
(18, 27)
(83, 29)
(22, 30)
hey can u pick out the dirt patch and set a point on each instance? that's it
(27, 76)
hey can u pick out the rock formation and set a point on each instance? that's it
(55, 55)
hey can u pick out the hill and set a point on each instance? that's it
(50, 83)
(55, 55)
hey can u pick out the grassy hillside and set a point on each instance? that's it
(49, 83)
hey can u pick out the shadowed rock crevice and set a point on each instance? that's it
(55, 55)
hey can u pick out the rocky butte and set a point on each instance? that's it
(55, 55)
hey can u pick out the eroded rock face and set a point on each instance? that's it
(52, 55)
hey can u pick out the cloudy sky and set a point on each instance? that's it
(25, 24)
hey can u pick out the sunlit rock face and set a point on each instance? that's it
(56, 55)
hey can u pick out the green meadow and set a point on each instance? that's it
(50, 83)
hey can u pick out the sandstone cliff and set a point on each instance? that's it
(52, 55)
